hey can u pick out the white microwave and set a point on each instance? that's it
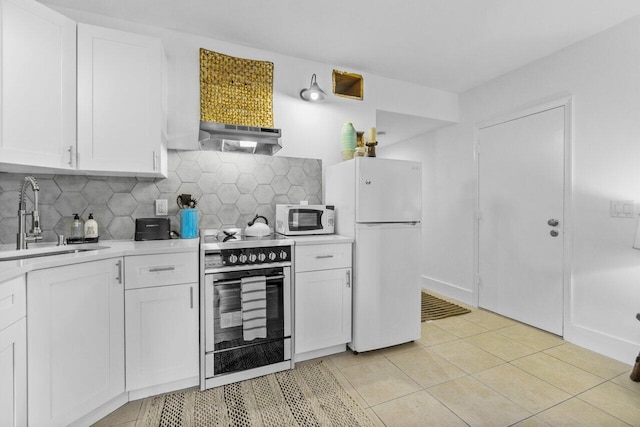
(297, 220)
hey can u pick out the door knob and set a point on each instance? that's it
(553, 222)
(554, 233)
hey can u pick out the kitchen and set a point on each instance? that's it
(603, 319)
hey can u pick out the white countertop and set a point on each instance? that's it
(115, 248)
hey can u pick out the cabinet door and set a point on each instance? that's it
(13, 375)
(76, 340)
(322, 309)
(119, 102)
(38, 90)
(162, 334)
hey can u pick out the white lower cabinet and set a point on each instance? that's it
(161, 335)
(323, 309)
(162, 322)
(13, 353)
(322, 299)
(75, 320)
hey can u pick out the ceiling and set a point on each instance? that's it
(452, 45)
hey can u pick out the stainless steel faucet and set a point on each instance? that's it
(35, 233)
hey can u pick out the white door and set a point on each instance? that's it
(521, 195)
(386, 290)
(388, 190)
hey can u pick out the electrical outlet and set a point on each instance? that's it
(162, 207)
(621, 208)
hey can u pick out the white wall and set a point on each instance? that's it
(603, 76)
(308, 129)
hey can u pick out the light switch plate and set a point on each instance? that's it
(621, 208)
(162, 207)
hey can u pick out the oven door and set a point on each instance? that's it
(228, 345)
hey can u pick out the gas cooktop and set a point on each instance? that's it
(230, 238)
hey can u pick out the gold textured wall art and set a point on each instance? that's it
(348, 85)
(235, 90)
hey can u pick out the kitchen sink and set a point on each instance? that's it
(47, 251)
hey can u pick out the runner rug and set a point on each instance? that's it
(308, 395)
(435, 308)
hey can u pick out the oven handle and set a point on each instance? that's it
(233, 282)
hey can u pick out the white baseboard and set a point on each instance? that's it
(447, 289)
(608, 345)
(101, 412)
(300, 357)
(163, 388)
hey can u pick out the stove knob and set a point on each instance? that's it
(283, 254)
(243, 258)
(252, 257)
(261, 257)
(272, 256)
(233, 259)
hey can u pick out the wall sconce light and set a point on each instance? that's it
(313, 93)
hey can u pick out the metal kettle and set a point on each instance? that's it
(257, 229)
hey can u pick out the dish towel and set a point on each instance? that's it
(254, 307)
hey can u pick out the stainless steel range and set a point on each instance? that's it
(245, 306)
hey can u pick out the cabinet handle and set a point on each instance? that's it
(119, 278)
(70, 150)
(166, 268)
(348, 278)
(191, 295)
(155, 161)
(324, 256)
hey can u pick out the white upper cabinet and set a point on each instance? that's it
(120, 112)
(37, 86)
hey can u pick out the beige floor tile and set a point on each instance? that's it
(425, 367)
(624, 381)
(466, 356)
(417, 410)
(528, 391)
(374, 417)
(402, 348)
(128, 424)
(530, 336)
(477, 404)
(379, 381)
(346, 384)
(532, 422)
(125, 413)
(500, 346)
(616, 400)
(348, 358)
(558, 373)
(589, 361)
(489, 320)
(433, 335)
(575, 412)
(459, 327)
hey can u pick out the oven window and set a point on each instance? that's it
(305, 219)
(227, 319)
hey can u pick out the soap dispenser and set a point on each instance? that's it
(91, 229)
(76, 233)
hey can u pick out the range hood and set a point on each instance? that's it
(239, 139)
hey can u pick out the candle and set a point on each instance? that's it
(372, 135)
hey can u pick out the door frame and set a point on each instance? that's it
(566, 101)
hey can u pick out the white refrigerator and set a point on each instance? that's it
(378, 202)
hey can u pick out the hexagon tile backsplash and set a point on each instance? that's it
(230, 190)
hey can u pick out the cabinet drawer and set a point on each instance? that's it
(143, 271)
(322, 257)
(13, 304)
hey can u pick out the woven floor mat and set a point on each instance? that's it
(306, 396)
(435, 308)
